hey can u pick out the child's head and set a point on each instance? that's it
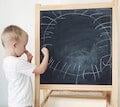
(14, 40)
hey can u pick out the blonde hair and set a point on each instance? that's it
(12, 33)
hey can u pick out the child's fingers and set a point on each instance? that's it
(27, 53)
(30, 55)
(44, 50)
(30, 58)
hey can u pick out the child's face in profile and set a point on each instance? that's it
(20, 46)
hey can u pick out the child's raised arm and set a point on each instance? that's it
(40, 69)
(29, 56)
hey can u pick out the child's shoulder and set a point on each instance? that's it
(10, 59)
(16, 61)
(9, 62)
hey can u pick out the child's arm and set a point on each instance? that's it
(40, 69)
(29, 56)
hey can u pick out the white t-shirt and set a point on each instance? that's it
(18, 73)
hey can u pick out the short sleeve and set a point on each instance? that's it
(25, 67)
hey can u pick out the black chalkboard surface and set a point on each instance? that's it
(80, 43)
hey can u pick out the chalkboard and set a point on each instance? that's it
(80, 45)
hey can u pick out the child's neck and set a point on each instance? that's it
(8, 53)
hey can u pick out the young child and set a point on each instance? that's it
(17, 70)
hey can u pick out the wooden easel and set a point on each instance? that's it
(99, 95)
(110, 92)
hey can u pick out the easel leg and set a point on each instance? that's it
(46, 94)
(108, 100)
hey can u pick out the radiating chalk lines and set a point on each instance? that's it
(66, 67)
(104, 36)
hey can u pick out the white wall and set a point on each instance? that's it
(76, 102)
(22, 13)
(69, 1)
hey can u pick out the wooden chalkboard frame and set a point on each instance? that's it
(105, 88)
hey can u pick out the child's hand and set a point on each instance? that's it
(29, 56)
(45, 51)
(40, 69)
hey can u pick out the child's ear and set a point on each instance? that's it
(14, 44)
